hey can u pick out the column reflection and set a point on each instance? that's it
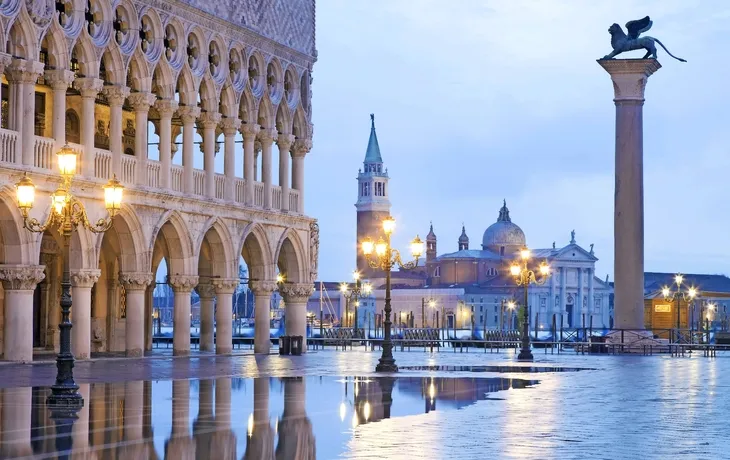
(180, 445)
(296, 438)
(224, 441)
(260, 445)
(16, 420)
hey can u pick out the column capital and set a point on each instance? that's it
(250, 130)
(301, 147)
(262, 287)
(135, 281)
(21, 277)
(205, 291)
(183, 283)
(230, 126)
(166, 107)
(296, 292)
(225, 285)
(141, 102)
(5, 60)
(24, 71)
(88, 87)
(59, 79)
(188, 113)
(115, 94)
(85, 278)
(629, 76)
(267, 135)
(285, 141)
(209, 120)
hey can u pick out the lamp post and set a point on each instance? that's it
(431, 303)
(524, 276)
(354, 293)
(511, 305)
(671, 295)
(710, 309)
(381, 255)
(66, 215)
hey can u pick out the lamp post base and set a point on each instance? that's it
(386, 365)
(525, 355)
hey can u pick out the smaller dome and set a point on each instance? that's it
(504, 234)
(463, 238)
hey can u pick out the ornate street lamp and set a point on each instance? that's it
(66, 214)
(672, 296)
(353, 295)
(381, 255)
(524, 276)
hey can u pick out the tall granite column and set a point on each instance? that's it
(295, 298)
(224, 289)
(629, 78)
(135, 285)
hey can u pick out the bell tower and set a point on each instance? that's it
(372, 204)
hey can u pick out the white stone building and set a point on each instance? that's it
(103, 76)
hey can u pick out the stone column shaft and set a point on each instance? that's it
(629, 78)
(207, 295)
(224, 289)
(209, 121)
(19, 283)
(22, 75)
(135, 285)
(266, 138)
(262, 311)
(182, 286)
(299, 151)
(188, 116)
(166, 108)
(230, 128)
(249, 165)
(284, 142)
(141, 102)
(89, 88)
(116, 95)
(295, 298)
(81, 283)
(563, 295)
(591, 293)
(59, 80)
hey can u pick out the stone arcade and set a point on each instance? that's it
(104, 76)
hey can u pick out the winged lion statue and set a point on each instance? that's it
(621, 42)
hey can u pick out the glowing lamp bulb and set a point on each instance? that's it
(692, 292)
(678, 279)
(381, 248)
(25, 193)
(343, 287)
(367, 246)
(665, 291)
(58, 200)
(416, 247)
(113, 192)
(356, 275)
(279, 278)
(544, 269)
(525, 254)
(67, 161)
(515, 270)
(388, 225)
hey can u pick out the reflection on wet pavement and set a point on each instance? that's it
(263, 418)
(499, 369)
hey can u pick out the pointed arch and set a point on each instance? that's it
(228, 106)
(247, 107)
(186, 88)
(84, 52)
(215, 250)
(113, 65)
(163, 81)
(265, 116)
(256, 252)
(21, 37)
(283, 119)
(127, 241)
(208, 96)
(300, 126)
(138, 74)
(54, 42)
(290, 257)
(172, 237)
(16, 243)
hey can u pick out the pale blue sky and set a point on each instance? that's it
(479, 100)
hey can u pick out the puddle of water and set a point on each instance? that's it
(497, 369)
(292, 418)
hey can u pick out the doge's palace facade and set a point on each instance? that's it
(102, 74)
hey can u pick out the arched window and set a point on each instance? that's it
(437, 272)
(73, 127)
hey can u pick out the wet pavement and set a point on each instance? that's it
(331, 405)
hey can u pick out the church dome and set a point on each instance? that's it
(503, 234)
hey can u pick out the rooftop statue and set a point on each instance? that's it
(621, 42)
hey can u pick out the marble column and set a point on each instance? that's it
(80, 429)
(59, 80)
(591, 293)
(284, 142)
(256, 153)
(188, 115)
(230, 128)
(262, 311)
(299, 151)
(266, 138)
(116, 96)
(295, 300)
(166, 108)
(5, 61)
(629, 78)
(580, 309)
(207, 296)
(89, 88)
(81, 283)
(563, 295)
(135, 285)
(17, 405)
(182, 286)
(22, 76)
(209, 121)
(224, 289)
(249, 165)
(141, 103)
(19, 282)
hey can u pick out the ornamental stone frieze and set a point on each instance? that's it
(183, 283)
(296, 292)
(262, 287)
(225, 285)
(21, 277)
(135, 281)
(85, 278)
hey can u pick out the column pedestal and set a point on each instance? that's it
(81, 283)
(19, 283)
(629, 78)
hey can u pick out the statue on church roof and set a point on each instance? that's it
(591, 248)
(553, 244)
(572, 237)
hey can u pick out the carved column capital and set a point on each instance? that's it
(188, 113)
(250, 131)
(116, 94)
(267, 135)
(141, 102)
(24, 71)
(59, 79)
(135, 281)
(296, 292)
(21, 277)
(5, 60)
(230, 126)
(301, 147)
(262, 287)
(183, 283)
(285, 141)
(85, 278)
(205, 290)
(166, 107)
(225, 285)
(629, 77)
(88, 87)
(208, 120)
